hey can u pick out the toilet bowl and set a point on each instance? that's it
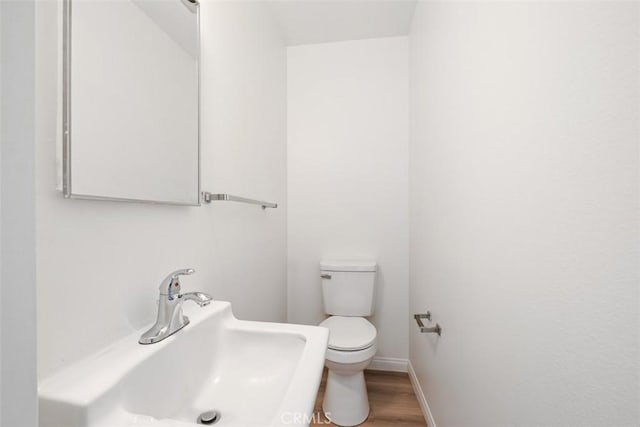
(351, 348)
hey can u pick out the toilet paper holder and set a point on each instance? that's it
(424, 329)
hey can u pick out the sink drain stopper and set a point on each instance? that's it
(209, 417)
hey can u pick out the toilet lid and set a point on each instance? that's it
(349, 333)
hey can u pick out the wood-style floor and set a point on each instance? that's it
(391, 399)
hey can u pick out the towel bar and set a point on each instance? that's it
(210, 197)
(435, 329)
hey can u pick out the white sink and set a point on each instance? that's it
(253, 373)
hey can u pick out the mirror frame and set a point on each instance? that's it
(64, 119)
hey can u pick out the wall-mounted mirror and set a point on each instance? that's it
(129, 93)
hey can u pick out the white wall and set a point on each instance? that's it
(99, 263)
(347, 174)
(524, 211)
(18, 402)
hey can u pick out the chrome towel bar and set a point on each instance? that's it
(210, 197)
(435, 329)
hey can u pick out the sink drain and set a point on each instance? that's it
(209, 417)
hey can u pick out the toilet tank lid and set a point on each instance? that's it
(330, 265)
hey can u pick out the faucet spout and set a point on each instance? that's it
(199, 298)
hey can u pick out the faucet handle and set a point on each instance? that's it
(170, 286)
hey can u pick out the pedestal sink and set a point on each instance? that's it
(251, 373)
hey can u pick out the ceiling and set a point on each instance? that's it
(318, 21)
(176, 18)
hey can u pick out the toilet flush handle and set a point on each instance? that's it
(326, 276)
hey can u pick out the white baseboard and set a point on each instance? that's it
(426, 411)
(391, 364)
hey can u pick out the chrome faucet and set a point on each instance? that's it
(170, 318)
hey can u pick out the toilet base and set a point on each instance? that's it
(345, 399)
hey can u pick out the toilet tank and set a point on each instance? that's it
(348, 287)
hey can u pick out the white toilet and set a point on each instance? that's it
(348, 292)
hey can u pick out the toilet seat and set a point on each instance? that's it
(349, 333)
(351, 357)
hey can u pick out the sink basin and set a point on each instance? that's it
(252, 373)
